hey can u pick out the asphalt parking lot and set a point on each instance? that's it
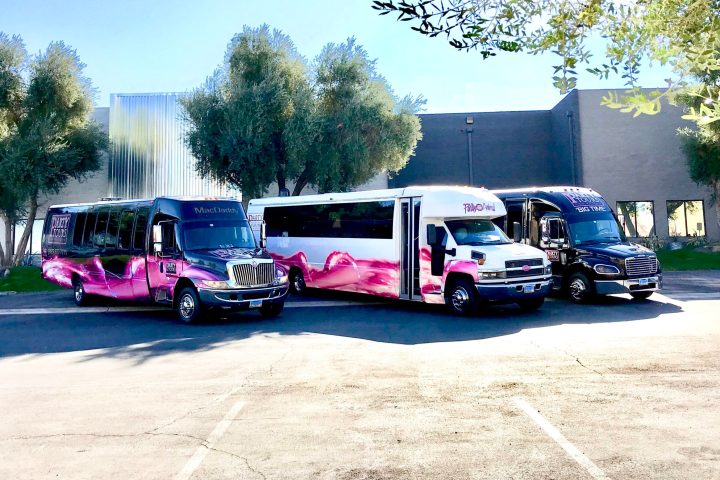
(346, 388)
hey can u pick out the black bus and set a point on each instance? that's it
(583, 239)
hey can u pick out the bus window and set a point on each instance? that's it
(101, 228)
(125, 232)
(78, 228)
(141, 229)
(89, 229)
(112, 230)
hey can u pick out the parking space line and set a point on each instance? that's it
(202, 451)
(560, 439)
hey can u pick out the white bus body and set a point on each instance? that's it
(381, 242)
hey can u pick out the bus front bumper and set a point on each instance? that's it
(648, 284)
(512, 292)
(241, 299)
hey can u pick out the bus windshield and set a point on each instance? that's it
(211, 234)
(476, 232)
(600, 227)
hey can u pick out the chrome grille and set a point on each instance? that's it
(248, 276)
(639, 266)
(531, 262)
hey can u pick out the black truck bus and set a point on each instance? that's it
(583, 239)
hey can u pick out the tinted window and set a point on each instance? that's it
(140, 228)
(338, 220)
(112, 230)
(125, 231)
(89, 229)
(78, 228)
(101, 228)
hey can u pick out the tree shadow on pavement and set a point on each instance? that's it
(143, 335)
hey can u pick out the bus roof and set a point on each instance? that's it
(552, 189)
(140, 200)
(385, 194)
(441, 200)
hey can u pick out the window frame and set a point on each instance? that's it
(684, 202)
(653, 230)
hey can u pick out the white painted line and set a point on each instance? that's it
(555, 434)
(64, 311)
(202, 451)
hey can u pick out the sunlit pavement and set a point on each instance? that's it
(616, 389)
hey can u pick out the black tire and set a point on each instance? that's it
(462, 298)
(81, 297)
(531, 304)
(270, 310)
(297, 282)
(640, 295)
(580, 288)
(188, 306)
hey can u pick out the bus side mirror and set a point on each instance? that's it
(551, 233)
(157, 238)
(431, 234)
(263, 235)
(517, 232)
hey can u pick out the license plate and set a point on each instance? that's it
(644, 281)
(528, 288)
(255, 303)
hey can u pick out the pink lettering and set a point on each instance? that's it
(478, 207)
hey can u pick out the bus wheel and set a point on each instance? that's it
(81, 298)
(531, 304)
(188, 306)
(580, 288)
(297, 281)
(462, 298)
(640, 295)
(270, 310)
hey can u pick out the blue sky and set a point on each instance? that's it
(134, 46)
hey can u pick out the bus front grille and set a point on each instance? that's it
(641, 266)
(247, 275)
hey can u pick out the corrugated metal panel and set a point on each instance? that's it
(148, 157)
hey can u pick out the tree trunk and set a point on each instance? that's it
(301, 183)
(22, 245)
(9, 242)
(280, 180)
(2, 251)
(716, 190)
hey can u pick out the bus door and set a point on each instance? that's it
(164, 260)
(410, 248)
(517, 211)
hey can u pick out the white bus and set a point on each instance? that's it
(427, 244)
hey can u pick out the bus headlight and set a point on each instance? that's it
(216, 284)
(492, 275)
(281, 276)
(606, 269)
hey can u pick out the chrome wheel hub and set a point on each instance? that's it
(460, 299)
(577, 288)
(78, 292)
(299, 283)
(187, 306)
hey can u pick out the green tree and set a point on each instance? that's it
(12, 62)
(360, 128)
(683, 35)
(702, 150)
(267, 116)
(48, 137)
